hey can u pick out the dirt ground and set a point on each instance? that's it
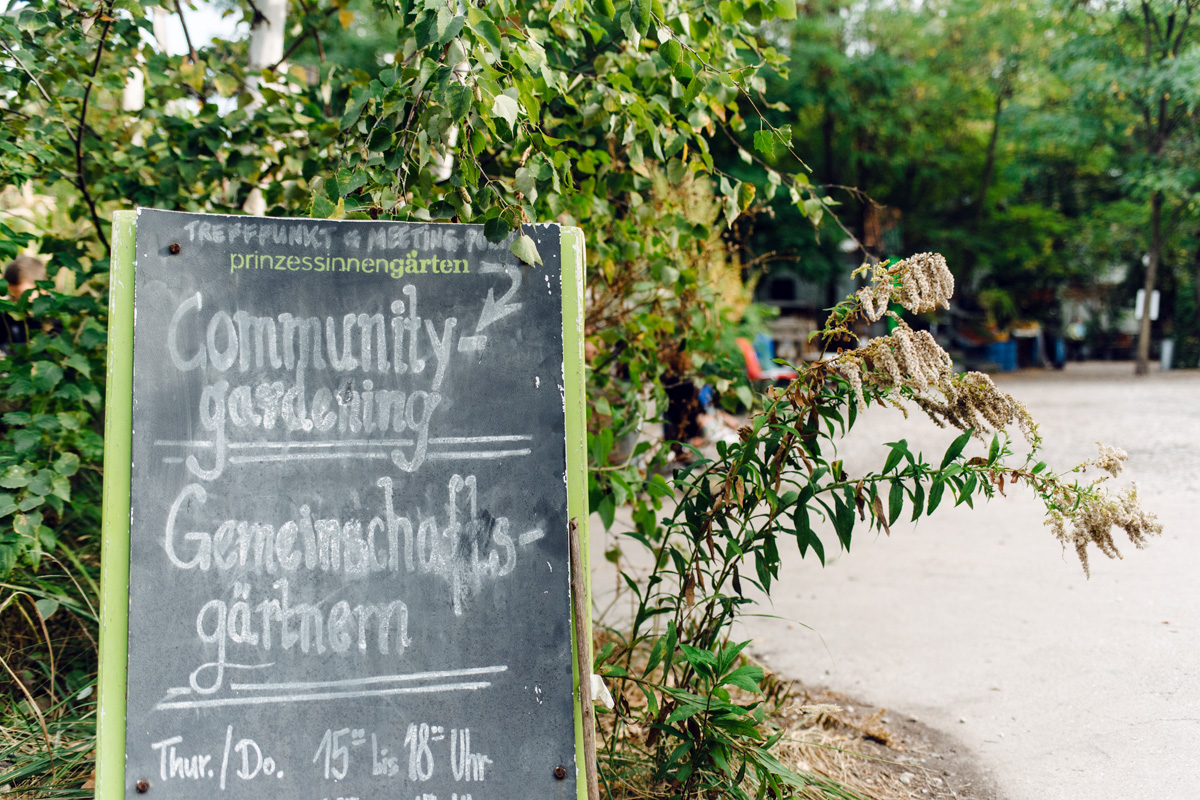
(878, 753)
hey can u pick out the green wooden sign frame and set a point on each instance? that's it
(115, 567)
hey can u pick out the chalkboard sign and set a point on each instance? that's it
(349, 469)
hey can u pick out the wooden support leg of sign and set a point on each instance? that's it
(583, 650)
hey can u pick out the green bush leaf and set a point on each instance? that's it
(45, 375)
(506, 108)
(496, 229)
(14, 478)
(482, 25)
(46, 606)
(25, 439)
(671, 51)
(639, 12)
(764, 142)
(525, 249)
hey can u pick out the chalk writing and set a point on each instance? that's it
(354, 493)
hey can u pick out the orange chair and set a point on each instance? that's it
(755, 370)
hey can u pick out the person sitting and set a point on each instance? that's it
(22, 275)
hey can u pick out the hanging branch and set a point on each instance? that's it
(299, 40)
(186, 36)
(81, 181)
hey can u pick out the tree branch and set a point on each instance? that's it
(33, 79)
(300, 40)
(187, 37)
(81, 181)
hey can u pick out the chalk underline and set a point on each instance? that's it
(302, 691)
(310, 697)
(438, 441)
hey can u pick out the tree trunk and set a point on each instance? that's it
(266, 50)
(989, 164)
(1143, 350)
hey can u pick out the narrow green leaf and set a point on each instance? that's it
(843, 520)
(955, 449)
(918, 501)
(935, 494)
(895, 501)
(994, 450)
(746, 677)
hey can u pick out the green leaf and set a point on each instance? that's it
(483, 26)
(897, 453)
(994, 450)
(134, 7)
(895, 501)
(79, 362)
(656, 655)
(684, 712)
(918, 500)
(350, 180)
(955, 449)
(701, 659)
(25, 439)
(805, 536)
(355, 107)
(60, 487)
(525, 249)
(936, 490)
(607, 511)
(639, 12)
(629, 28)
(507, 109)
(46, 606)
(671, 51)
(458, 100)
(14, 478)
(764, 142)
(843, 521)
(785, 9)
(746, 677)
(496, 229)
(322, 207)
(746, 192)
(452, 29)
(45, 375)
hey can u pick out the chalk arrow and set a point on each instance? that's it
(493, 309)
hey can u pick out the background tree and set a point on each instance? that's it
(1137, 67)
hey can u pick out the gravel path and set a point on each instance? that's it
(980, 625)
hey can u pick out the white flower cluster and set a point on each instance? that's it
(1111, 459)
(920, 283)
(1093, 513)
(914, 360)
